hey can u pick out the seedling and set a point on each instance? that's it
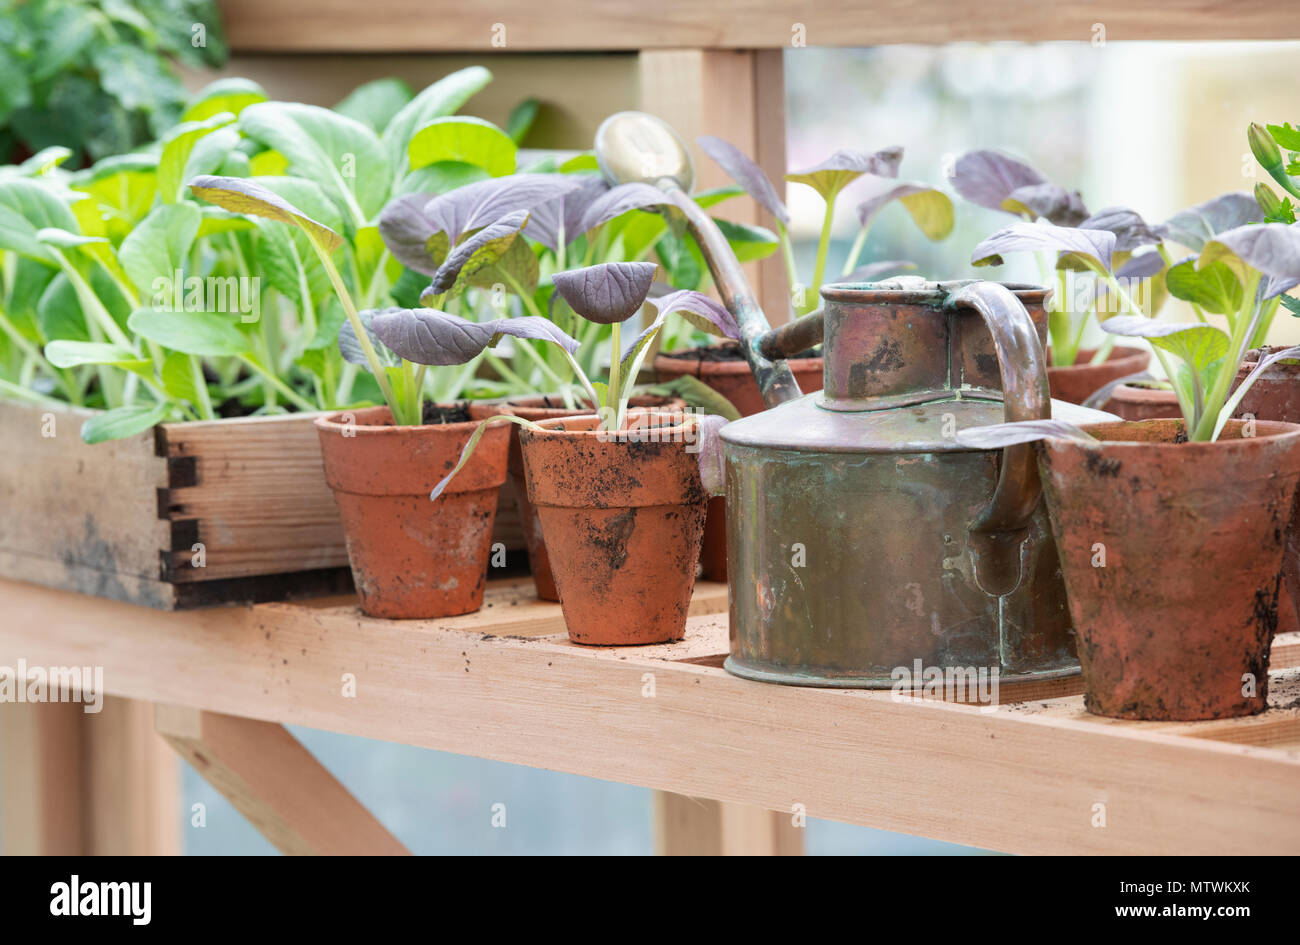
(608, 294)
(930, 208)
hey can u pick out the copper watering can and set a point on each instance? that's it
(861, 538)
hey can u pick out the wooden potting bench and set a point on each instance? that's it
(742, 760)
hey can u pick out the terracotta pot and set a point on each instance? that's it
(735, 381)
(1185, 605)
(623, 516)
(411, 557)
(1077, 383)
(1276, 396)
(535, 408)
(1143, 403)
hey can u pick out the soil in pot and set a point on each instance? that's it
(724, 368)
(1135, 402)
(411, 557)
(1172, 555)
(550, 407)
(623, 516)
(1074, 384)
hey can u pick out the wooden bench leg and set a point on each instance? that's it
(41, 779)
(691, 826)
(276, 783)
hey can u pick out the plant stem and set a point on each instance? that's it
(858, 243)
(1208, 426)
(823, 246)
(363, 337)
(289, 393)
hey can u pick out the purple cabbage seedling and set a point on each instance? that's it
(930, 208)
(608, 294)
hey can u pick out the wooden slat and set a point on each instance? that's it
(739, 96)
(1009, 779)
(275, 782)
(693, 826)
(80, 516)
(431, 25)
(254, 495)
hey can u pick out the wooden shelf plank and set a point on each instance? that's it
(1022, 778)
(522, 25)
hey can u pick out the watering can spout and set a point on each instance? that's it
(633, 147)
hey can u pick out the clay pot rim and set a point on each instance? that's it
(1136, 357)
(1271, 430)
(697, 366)
(1150, 395)
(551, 427)
(513, 404)
(478, 413)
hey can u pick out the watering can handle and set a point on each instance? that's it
(1025, 396)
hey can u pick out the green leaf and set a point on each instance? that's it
(696, 393)
(439, 178)
(178, 378)
(580, 162)
(71, 354)
(123, 422)
(203, 333)
(159, 247)
(124, 188)
(27, 207)
(224, 95)
(340, 154)
(241, 195)
(176, 150)
(441, 98)
(748, 242)
(1291, 304)
(375, 103)
(58, 312)
(521, 119)
(467, 140)
(136, 77)
(1215, 288)
(1286, 136)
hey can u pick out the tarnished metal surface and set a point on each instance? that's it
(862, 538)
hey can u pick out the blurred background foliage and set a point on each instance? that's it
(98, 76)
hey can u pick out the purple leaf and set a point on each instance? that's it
(713, 462)
(1075, 244)
(930, 209)
(1143, 266)
(999, 435)
(406, 230)
(606, 293)
(843, 167)
(428, 336)
(1131, 231)
(1272, 286)
(618, 201)
(701, 311)
(1196, 226)
(482, 249)
(351, 349)
(1053, 203)
(474, 206)
(568, 209)
(745, 172)
(987, 178)
(1271, 248)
